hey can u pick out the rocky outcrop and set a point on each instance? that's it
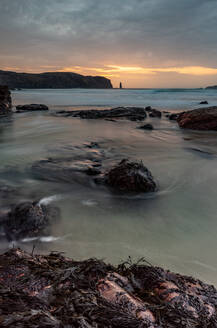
(130, 177)
(54, 80)
(31, 108)
(55, 291)
(5, 100)
(199, 119)
(28, 219)
(131, 113)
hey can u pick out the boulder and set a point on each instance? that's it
(5, 100)
(130, 177)
(31, 108)
(29, 219)
(199, 119)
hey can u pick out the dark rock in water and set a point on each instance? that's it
(131, 113)
(31, 108)
(148, 108)
(173, 117)
(29, 219)
(205, 102)
(155, 113)
(146, 127)
(199, 119)
(5, 100)
(44, 291)
(130, 177)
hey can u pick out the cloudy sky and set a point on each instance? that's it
(143, 43)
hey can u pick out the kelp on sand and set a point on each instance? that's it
(54, 291)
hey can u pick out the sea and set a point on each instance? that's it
(175, 228)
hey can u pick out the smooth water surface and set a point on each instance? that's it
(175, 228)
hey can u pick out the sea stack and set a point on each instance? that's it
(120, 85)
(5, 100)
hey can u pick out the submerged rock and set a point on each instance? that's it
(29, 219)
(130, 177)
(199, 119)
(5, 100)
(54, 291)
(31, 108)
(146, 127)
(131, 113)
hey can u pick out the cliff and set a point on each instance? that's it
(54, 80)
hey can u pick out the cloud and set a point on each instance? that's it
(36, 34)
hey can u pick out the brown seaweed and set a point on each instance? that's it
(55, 291)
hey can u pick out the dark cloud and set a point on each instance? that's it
(92, 32)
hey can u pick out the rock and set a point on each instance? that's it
(29, 219)
(131, 113)
(148, 108)
(66, 170)
(130, 177)
(155, 113)
(5, 100)
(204, 102)
(31, 108)
(173, 117)
(146, 127)
(53, 80)
(199, 119)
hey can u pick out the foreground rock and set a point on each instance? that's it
(31, 108)
(130, 177)
(53, 291)
(199, 119)
(28, 219)
(131, 113)
(5, 100)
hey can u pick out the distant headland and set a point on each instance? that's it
(212, 87)
(53, 80)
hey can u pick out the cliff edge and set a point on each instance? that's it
(53, 80)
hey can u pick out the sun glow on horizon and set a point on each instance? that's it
(133, 75)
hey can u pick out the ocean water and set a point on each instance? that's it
(175, 228)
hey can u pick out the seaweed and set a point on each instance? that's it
(55, 291)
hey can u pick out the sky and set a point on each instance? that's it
(142, 43)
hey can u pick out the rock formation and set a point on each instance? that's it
(31, 108)
(199, 119)
(55, 80)
(131, 113)
(5, 100)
